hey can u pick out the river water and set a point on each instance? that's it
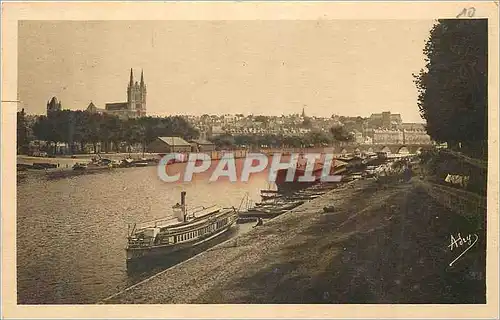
(71, 233)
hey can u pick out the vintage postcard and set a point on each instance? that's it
(249, 160)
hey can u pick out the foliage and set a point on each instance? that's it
(224, 141)
(262, 119)
(311, 139)
(81, 127)
(340, 134)
(453, 86)
(22, 132)
(306, 123)
(245, 140)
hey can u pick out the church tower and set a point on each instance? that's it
(143, 95)
(136, 96)
(53, 105)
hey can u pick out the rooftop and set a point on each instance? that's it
(201, 141)
(116, 106)
(177, 141)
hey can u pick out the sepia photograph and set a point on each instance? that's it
(219, 161)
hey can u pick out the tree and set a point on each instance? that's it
(262, 119)
(318, 138)
(340, 134)
(134, 133)
(453, 86)
(81, 131)
(22, 133)
(245, 140)
(65, 125)
(306, 123)
(269, 140)
(82, 127)
(224, 141)
(45, 128)
(56, 127)
(94, 129)
(110, 130)
(292, 141)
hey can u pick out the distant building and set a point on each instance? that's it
(216, 131)
(415, 133)
(201, 145)
(203, 133)
(416, 137)
(385, 136)
(358, 136)
(168, 145)
(386, 120)
(53, 105)
(136, 100)
(93, 109)
(399, 136)
(413, 126)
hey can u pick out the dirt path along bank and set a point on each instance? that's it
(379, 246)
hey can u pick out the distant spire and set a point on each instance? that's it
(131, 77)
(142, 78)
(303, 112)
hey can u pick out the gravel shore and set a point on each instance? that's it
(381, 245)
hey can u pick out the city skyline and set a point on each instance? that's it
(220, 67)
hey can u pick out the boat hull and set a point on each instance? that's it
(141, 164)
(138, 256)
(269, 211)
(287, 186)
(261, 214)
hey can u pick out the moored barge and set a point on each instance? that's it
(318, 171)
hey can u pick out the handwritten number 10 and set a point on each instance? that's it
(470, 12)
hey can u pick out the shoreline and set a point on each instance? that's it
(64, 165)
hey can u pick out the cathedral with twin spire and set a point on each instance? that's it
(135, 106)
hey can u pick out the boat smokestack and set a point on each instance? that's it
(183, 204)
(180, 209)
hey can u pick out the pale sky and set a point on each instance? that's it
(340, 67)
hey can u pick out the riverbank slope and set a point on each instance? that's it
(381, 245)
